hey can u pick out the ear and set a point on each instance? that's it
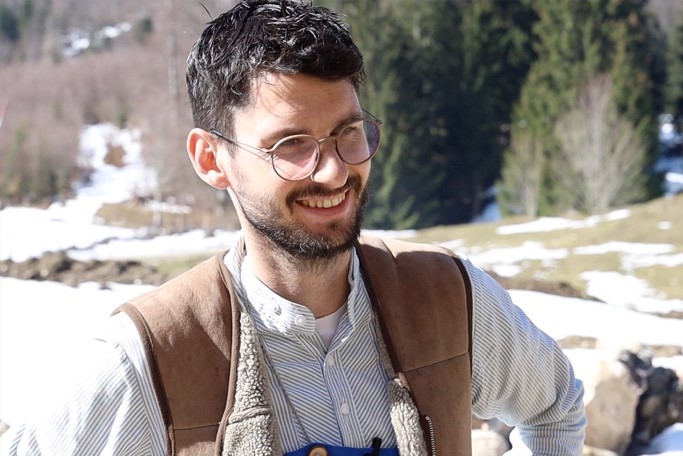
(202, 147)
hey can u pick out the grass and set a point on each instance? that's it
(132, 214)
(656, 222)
(172, 266)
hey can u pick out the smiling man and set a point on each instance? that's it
(306, 338)
(300, 215)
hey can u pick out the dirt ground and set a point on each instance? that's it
(59, 267)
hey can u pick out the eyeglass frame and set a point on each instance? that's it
(270, 151)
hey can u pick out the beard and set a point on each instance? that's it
(293, 238)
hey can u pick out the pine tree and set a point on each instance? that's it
(386, 41)
(444, 76)
(495, 57)
(674, 80)
(578, 41)
(9, 24)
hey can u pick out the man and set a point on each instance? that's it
(303, 340)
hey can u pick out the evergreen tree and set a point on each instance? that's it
(495, 56)
(674, 79)
(443, 75)
(389, 54)
(9, 24)
(576, 42)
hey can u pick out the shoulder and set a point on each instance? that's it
(411, 257)
(398, 246)
(207, 277)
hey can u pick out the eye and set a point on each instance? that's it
(292, 141)
(295, 145)
(353, 132)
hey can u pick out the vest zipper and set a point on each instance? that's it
(432, 437)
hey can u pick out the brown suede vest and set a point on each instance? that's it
(421, 294)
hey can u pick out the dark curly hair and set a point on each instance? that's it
(263, 36)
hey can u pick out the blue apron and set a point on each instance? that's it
(329, 450)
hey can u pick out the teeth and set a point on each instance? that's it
(326, 203)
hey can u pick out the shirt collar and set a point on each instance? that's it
(273, 313)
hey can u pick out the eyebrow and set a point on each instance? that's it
(277, 135)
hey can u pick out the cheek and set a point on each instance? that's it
(242, 177)
(260, 189)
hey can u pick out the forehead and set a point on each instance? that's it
(279, 100)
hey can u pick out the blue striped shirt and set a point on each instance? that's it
(315, 390)
(335, 395)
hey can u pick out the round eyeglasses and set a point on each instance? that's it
(296, 157)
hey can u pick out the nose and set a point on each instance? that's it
(331, 170)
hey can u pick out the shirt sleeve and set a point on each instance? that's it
(98, 404)
(521, 376)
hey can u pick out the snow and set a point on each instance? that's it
(505, 261)
(40, 322)
(561, 317)
(625, 247)
(27, 233)
(669, 442)
(544, 224)
(46, 320)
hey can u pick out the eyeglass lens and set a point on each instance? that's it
(296, 157)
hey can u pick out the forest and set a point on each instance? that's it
(546, 106)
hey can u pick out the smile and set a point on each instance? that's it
(324, 203)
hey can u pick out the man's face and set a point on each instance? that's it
(314, 218)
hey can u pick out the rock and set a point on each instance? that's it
(660, 405)
(668, 442)
(544, 286)
(591, 451)
(498, 427)
(611, 397)
(488, 443)
(492, 424)
(477, 423)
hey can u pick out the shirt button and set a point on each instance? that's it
(330, 362)
(345, 409)
(300, 320)
(318, 450)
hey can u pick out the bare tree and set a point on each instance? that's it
(604, 152)
(132, 82)
(523, 174)
(39, 137)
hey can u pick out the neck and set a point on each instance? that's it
(320, 284)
